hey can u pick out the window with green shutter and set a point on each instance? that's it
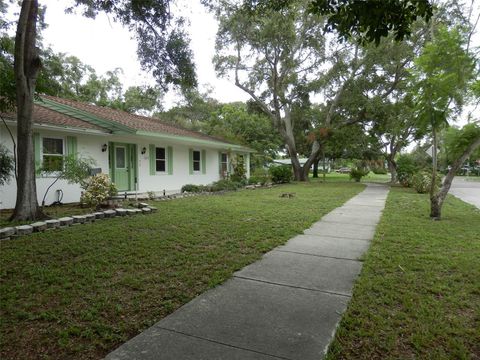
(161, 160)
(197, 160)
(52, 154)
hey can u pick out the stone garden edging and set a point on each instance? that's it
(67, 221)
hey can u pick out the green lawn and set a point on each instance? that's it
(80, 292)
(371, 177)
(418, 296)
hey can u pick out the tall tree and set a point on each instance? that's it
(27, 66)
(162, 49)
(278, 58)
(379, 96)
(444, 72)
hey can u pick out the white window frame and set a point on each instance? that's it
(199, 171)
(64, 150)
(165, 160)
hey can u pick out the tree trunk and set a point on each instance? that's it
(435, 204)
(316, 161)
(324, 166)
(289, 138)
(315, 168)
(26, 67)
(436, 201)
(298, 173)
(313, 158)
(392, 167)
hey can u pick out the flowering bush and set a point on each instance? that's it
(98, 189)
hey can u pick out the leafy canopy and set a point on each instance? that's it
(442, 75)
(366, 20)
(163, 44)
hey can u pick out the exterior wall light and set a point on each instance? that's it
(144, 150)
(104, 147)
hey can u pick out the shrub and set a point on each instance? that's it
(379, 170)
(260, 175)
(358, 173)
(98, 189)
(254, 180)
(406, 167)
(281, 174)
(421, 181)
(190, 188)
(222, 185)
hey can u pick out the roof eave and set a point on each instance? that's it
(113, 127)
(195, 141)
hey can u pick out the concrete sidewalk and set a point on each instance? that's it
(285, 306)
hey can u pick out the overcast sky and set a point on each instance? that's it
(106, 45)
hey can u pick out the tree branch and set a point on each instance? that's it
(339, 93)
(262, 104)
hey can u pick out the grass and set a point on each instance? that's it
(80, 292)
(371, 177)
(418, 296)
(74, 209)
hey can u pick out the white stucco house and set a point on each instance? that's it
(140, 154)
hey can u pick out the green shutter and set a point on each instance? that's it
(204, 162)
(190, 162)
(170, 160)
(111, 160)
(220, 162)
(72, 146)
(151, 156)
(38, 153)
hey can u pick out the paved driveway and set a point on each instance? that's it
(468, 191)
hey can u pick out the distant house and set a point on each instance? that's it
(139, 153)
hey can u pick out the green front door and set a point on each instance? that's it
(123, 166)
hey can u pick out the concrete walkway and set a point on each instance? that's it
(468, 191)
(285, 306)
